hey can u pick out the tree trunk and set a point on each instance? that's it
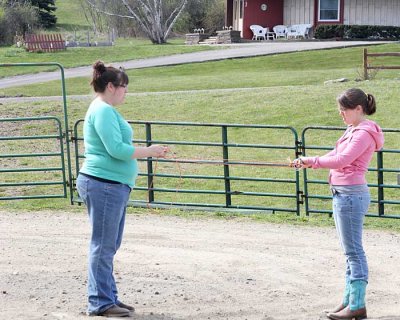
(153, 16)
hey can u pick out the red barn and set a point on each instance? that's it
(241, 14)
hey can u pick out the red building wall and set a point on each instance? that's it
(254, 15)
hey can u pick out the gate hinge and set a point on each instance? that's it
(71, 135)
(301, 197)
(299, 148)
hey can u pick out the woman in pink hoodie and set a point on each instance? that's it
(348, 163)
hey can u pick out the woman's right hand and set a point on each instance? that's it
(158, 151)
(300, 163)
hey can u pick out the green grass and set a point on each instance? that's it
(72, 25)
(70, 15)
(125, 49)
(285, 89)
(282, 70)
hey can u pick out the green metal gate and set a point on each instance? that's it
(39, 172)
(227, 171)
(35, 152)
(383, 176)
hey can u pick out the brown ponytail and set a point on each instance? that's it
(371, 104)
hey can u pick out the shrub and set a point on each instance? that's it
(352, 32)
(329, 31)
(17, 20)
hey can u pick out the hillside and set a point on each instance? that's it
(70, 15)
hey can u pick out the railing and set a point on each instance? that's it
(234, 169)
(64, 112)
(36, 164)
(383, 195)
(209, 174)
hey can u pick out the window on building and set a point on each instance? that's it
(329, 10)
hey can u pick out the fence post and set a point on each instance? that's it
(365, 60)
(299, 194)
(228, 197)
(150, 177)
(381, 206)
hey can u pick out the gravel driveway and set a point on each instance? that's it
(189, 268)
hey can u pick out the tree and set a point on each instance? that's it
(45, 10)
(155, 17)
(17, 19)
(207, 14)
(214, 18)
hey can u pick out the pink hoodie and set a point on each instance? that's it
(353, 152)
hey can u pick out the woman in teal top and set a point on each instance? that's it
(105, 182)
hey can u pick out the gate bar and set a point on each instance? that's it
(64, 98)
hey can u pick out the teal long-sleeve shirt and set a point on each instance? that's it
(108, 145)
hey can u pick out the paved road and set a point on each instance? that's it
(235, 51)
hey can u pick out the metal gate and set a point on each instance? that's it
(383, 179)
(228, 171)
(34, 151)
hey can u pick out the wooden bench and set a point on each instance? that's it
(44, 42)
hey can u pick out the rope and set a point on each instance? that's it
(224, 162)
(230, 162)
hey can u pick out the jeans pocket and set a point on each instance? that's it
(82, 187)
(342, 203)
(364, 200)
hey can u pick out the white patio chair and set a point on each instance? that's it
(299, 31)
(258, 32)
(304, 30)
(293, 31)
(280, 31)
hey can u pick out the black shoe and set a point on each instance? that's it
(115, 312)
(125, 306)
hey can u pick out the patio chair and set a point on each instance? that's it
(293, 31)
(258, 32)
(304, 30)
(299, 30)
(280, 31)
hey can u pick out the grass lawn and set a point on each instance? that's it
(124, 49)
(290, 69)
(70, 16)
(286, 89)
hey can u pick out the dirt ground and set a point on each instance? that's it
(187, 268)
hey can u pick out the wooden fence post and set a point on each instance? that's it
(365, 64)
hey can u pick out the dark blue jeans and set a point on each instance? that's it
(349, 211)
(106, 205)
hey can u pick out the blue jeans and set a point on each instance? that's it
(349, 211)
(106, 205)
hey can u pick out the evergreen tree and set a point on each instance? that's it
(46, 12)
